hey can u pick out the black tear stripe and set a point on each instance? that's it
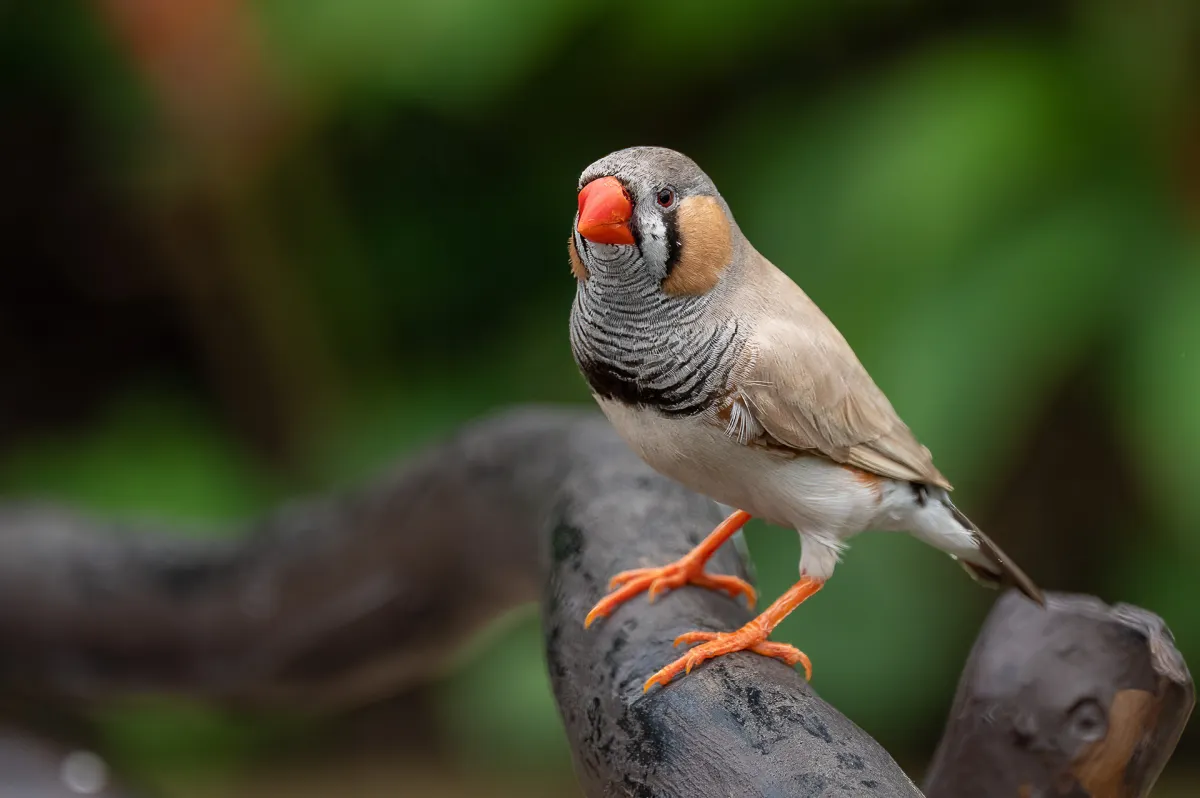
(920, 493)
(609, 381)
(674, 244)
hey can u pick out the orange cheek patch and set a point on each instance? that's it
(706, 247)
(577, 268)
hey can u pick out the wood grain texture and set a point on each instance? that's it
(741, 725)
(1081, 699)
(334, 602)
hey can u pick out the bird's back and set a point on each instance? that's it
(811, 389)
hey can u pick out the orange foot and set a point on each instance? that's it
(687, 570)
(716, 644)
(751, 637)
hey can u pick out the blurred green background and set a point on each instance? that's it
(255, 249)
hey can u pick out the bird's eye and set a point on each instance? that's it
(666, 198)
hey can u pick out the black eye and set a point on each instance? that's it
(666, 198)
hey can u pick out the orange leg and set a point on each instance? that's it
(751, 637)
(687, 570)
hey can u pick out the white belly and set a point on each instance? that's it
(811, 494)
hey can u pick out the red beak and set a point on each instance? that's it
(604, 212)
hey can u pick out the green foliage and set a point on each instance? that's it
(452, 54)
(499, 705)
(151, 453)
(986, 210)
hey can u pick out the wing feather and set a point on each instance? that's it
(804, 385)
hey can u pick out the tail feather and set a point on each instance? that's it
(1006, 571)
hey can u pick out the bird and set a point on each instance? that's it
(722, 374)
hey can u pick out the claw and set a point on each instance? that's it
(729, 584)
(622, 578)
(656, 581)
(717, 644)
(751, 637)
(688, 570)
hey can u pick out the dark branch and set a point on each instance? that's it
(740, 725)
(1080, 699)
(325, 603)
(334, 602)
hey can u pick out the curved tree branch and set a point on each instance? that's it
(329, 603)
(323, 604)
(1079, 699)
(740, 725)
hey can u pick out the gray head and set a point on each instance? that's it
(652, 240)
(651, 213)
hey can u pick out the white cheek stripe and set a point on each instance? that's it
(654, 242)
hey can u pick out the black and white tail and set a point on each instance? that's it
(1005, 572)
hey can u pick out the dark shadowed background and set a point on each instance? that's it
(258, 249)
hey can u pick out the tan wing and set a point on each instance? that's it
(805, 386)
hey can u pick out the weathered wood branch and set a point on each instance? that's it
(1081, 699)
(330, 603)
(323, 604)
(741, 725)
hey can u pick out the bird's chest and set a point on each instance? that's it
(675, 360)
(649, 367)
(677, 447)
(696, 452)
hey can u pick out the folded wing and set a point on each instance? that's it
(804, 385)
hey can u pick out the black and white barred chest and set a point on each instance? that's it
(666, 355)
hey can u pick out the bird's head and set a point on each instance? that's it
(650, 213)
